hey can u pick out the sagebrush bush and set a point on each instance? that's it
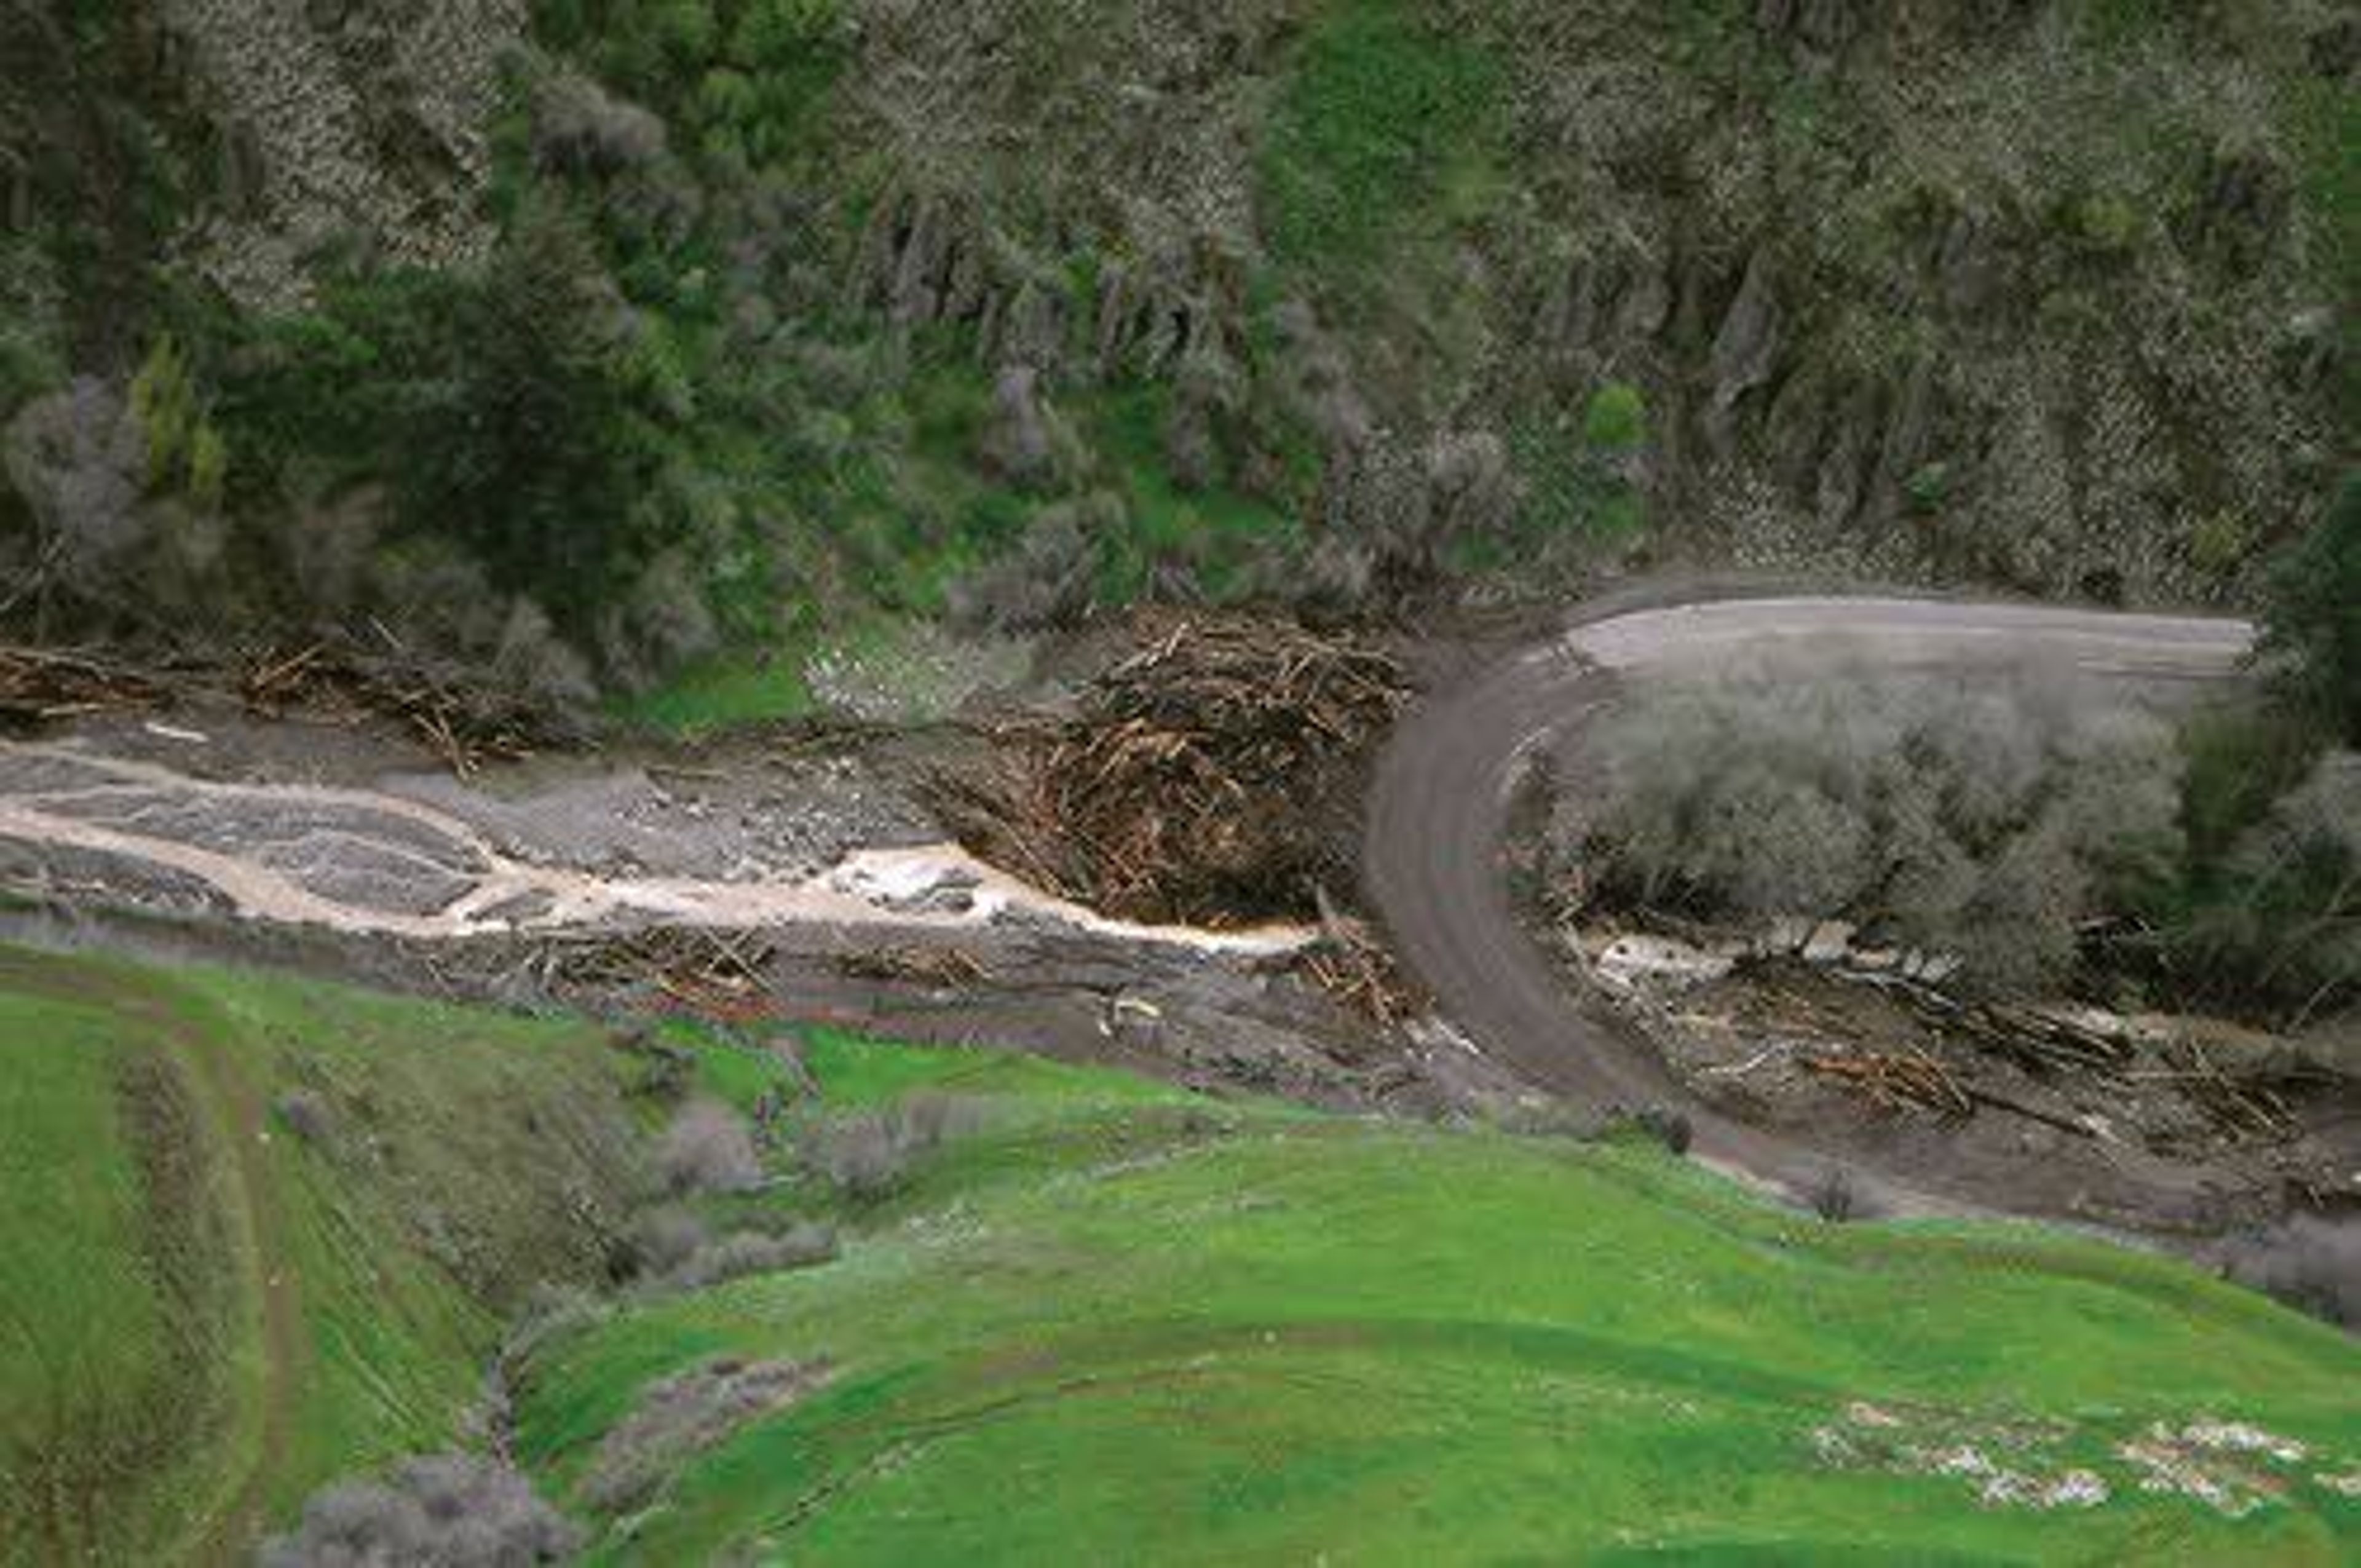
(306, 1115)
(2311, 1263)
(683, 1415)
(870, 1155)
(578, 127)
(745, 1252)
(442, 1511)
(708, 1148)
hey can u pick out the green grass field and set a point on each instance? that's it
(1112, 1320)
(1118, 1325)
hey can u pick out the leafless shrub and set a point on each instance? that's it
(1988, 815)
(78, 459)
(328, 540)
(432, 595)
(1395, 509)
(1045, 583)
(540, 668)
(2295, 922)
(870, 1155)
(550, 1311)
(1668, 1127)
(662, 623)
(743, 1253)
(444, 1511)
(661, 1239)
(2311, 1264)
(580, 128)
(1831, 1195)
(708, 1148)
(306, 1115)
(686, 1414)
(1020, 442)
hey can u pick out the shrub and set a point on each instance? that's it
(743, 1253)
(1831, 1195)
(1988, 817)
(2311, 617)
(1048, 581)
(708, 1148)
(550, 1311)
(78, 459)
(1616, 420)
(2311, 1264)
(683, 1415)
(306, 1115)
(579, 128)
(661, 1239)
(2284, 910)
(870, 1155)
(444, 1511)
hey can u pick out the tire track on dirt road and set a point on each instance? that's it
(227, 1533)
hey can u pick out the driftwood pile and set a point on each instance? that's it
(720, 975)
(1897, 1080)
(938, 969)
(45, 686)
(2242, 1100)
(1194, 784)
(464, 728)
(1351, 965)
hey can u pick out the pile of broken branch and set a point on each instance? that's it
(707, 973)
(1198, 780)
(463, 725)
(460, 723)
(45, 685)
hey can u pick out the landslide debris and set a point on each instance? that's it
(1201, 780)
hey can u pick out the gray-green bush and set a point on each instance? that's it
(446, 1511)
(1988, 812)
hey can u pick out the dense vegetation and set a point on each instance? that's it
(694, 335)
(2044, 832)
(1062, 1313)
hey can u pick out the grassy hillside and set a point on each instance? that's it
(260, 1233)
(1116, 1324)
(264, 1233)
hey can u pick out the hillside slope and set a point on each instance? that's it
(262, 1232)
(267, 1234)
(1119, 1324)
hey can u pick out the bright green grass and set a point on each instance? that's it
(725, 690)
(855, 1073)
(1385, 134)
(1119, 1326)
(100, 1372)
(461, 1146)
(73, 1184)
(1218, 533)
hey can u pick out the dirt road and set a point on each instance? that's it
(1439, 815)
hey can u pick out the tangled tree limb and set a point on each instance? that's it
(1194, 784)
(45, 686)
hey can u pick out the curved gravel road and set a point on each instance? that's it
(1439, 815)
